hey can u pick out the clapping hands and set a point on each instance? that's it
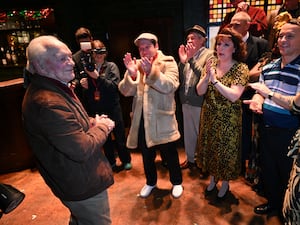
(130, 64)
(186, 52)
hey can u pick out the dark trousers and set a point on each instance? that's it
(276, 165)
(120, 139)
(248, 120)
(247, 117)
(170, 155)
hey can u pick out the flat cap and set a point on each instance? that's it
(147, 36)
(197, 29)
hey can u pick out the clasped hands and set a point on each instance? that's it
(211, 74)
(103, 119)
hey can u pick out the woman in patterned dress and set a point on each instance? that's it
(223, 81)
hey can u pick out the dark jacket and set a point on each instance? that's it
(80, 72)
(107, 85)
(256, 47)
(196, 65)
(66, 146)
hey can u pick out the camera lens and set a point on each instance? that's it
(87, 62)
(90, 67)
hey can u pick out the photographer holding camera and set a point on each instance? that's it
(101, 96)
(83, 59)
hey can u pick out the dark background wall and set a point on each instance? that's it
(118, 22)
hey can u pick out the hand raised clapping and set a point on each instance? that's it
(211, 74)
(130, 64)
(146, 64)
(186, 52)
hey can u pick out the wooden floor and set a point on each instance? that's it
(40, 207)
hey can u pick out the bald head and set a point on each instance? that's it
(241, 22)
(40, 48)
(289, 39)
(48, 56)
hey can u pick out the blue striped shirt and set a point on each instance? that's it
(285, 81)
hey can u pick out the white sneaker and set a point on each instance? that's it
(146, 191)
(177, 191)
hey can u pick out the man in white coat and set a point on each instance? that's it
(152, 80)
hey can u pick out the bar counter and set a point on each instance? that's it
(15, 153)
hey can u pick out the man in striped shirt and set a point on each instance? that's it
(282, 76)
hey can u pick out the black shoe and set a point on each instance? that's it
(188, 165)
(210, 192)
(115, 168)
(203, 175)
(184, 165)
(164, 164)
(258, 188)
(263, 209)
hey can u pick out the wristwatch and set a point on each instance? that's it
(270, 95)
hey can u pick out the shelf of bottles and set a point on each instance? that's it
(17, 28)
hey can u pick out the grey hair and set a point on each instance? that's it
(37, 49)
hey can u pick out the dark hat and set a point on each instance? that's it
(196, 28)
(83, 32)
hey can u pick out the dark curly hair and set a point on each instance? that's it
(240, 53)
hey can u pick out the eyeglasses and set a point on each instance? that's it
(100, 51)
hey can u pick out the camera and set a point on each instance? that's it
(87, 62)
(86, 56)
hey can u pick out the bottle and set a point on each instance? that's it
(3, 57)
(8, 57)
(21, 54)
(14, 57)
(12, 39)
(26, 37)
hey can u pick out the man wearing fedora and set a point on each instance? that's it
(193, 57)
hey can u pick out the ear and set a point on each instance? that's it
(248, 25)
(39, 67)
